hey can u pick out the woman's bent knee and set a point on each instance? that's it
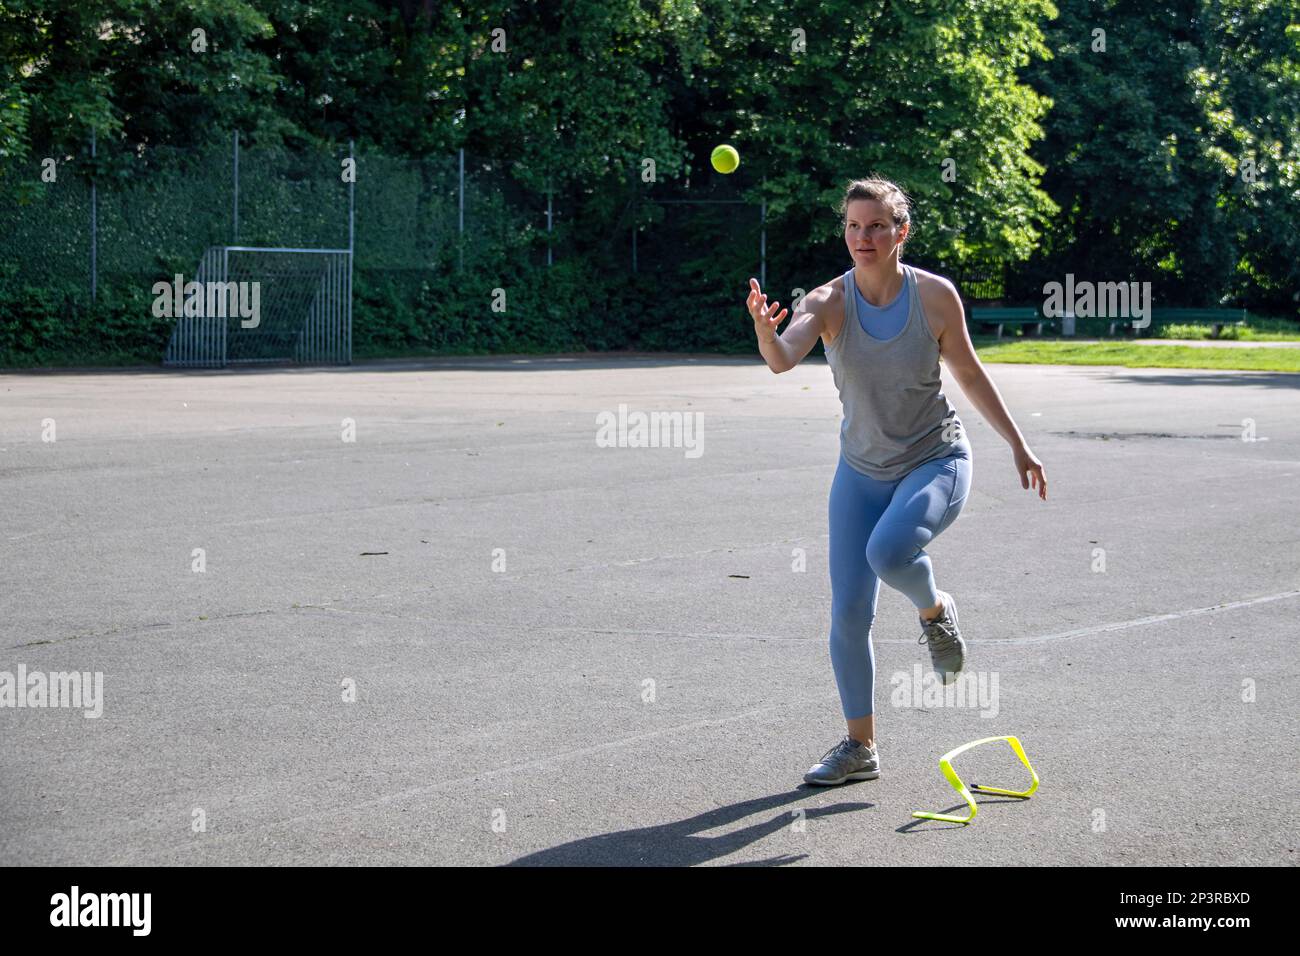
(887, 556)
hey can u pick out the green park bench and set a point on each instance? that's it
(1022, 315)
(1029, 316)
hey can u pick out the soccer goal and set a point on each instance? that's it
(249, 305)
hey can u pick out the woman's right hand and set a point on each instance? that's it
(1030, 469)
(766, 319)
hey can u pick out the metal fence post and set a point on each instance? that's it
(234, 238)
(762, 245)
(461, 229)
(94, 226)
(352, 205)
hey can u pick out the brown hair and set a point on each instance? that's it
(884, 191)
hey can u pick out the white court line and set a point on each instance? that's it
(1139, 622)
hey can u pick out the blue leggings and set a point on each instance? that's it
(878, 530)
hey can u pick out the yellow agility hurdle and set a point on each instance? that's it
(945, 764)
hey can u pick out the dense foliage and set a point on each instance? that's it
(1155, 141)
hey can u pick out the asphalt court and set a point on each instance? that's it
(646, 677)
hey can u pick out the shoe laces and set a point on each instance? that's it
(941, 632)
(840, 750)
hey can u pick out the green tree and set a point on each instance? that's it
(135, 71)
(817, 92)
(1155, 107)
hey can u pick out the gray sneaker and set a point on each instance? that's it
(947, 649)
(847, 760)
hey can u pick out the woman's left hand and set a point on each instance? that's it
(1030, 468)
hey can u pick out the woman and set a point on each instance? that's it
(905, 462)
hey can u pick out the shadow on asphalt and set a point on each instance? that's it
(932, 825)
(1288, 380)
(681, 843)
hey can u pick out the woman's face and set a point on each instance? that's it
(870, 231)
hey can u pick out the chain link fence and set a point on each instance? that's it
(151, 211)
(106, 225)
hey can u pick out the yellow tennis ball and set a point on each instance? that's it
(725, 159)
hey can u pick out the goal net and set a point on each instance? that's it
(248, 305)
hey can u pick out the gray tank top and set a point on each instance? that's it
(895, 414)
